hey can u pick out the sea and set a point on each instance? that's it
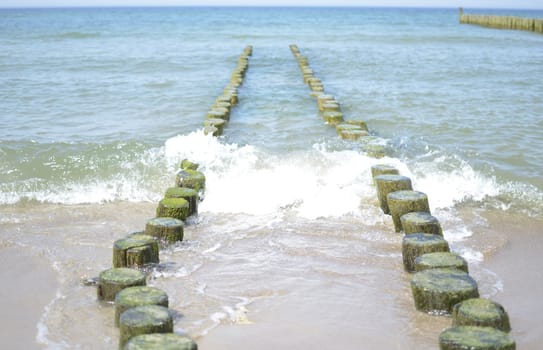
(98, 106)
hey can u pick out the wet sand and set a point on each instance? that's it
(28, 285)
(519, 266)
(314, 284)
(389, 320)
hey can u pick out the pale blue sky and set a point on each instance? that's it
(532, 4)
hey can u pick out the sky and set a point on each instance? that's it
(528, 4)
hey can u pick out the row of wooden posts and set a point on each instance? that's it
(219, 114)
(503, 22)
(441, 284)
(330, 109)
(141, 311)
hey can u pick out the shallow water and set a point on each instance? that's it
(290, 248)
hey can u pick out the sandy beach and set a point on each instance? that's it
(28, 285)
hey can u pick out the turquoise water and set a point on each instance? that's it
(89, 93)
(98, 106)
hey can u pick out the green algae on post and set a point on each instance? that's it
(417, 244)
(217, 114)
(162, 341)
(387, 184)
(191, 179)
(135, 250)
(420, 221)
(167, 229)
(322, 99)
(360, 123)
(373, 149)
(217, 123)
(475, 338)
(440, 260)
(481, 312)
(188, 165)
(344, 126)
(112, 281)
(436, 291)
(403, 202)
(138, 296)
(188, 194)
(331, 107)
(145, 319)
(177, 208)
(383, 169)
(353, 135)
(333, 117)
(211, 130)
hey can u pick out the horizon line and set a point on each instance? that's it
(258, 6)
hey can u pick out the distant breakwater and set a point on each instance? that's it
(503, 22)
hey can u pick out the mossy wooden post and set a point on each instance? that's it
(163, 341)
(191, 178)
(417, 244)
(145, 319)
(166, 229)
(217, 123)
(360, 123)
(420, 221)
(403, 202)
(383, 169)
(322, 99)
(345, 127)
(138, 296)
(135, 250)
(436, 291)
(112, 281)
(353, 134)
(441, 260)
(177, 208)
(188, 165)
(211, 130)
(475, 338)
(214, 114)
(374, 150)
(188, 194)
(390, 183)
(481, 312)
(331, 107)
(333, 117)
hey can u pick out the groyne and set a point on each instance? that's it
(142, 313)
(503, 22)
(441, 284)
(331, 112)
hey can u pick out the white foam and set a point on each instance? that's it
(42, 329)
(314, 183)
(447, 186)
(244, 179)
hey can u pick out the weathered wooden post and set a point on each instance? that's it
(145, 319)
(112, 281)
(390, 183)
(438, 290)
(475, 338)
(403, 202)
(481, 312)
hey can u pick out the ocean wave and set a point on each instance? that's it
(318, 182)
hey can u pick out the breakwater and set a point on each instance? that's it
(352, 129)
(503, 22)
(441, 283)
(142, 313)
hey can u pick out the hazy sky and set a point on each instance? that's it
(534, 4)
